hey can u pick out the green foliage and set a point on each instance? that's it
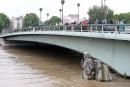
(94, 13)
(110, 15)
(52, 21)
(123, 16)
(97, 12)
(116, 16)
(31, 19)
(4, 21)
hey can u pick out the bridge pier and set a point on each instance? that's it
(94, 69)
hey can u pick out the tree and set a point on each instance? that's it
(123, 16)
(52, 21)
(97, 12)
(94, 13)
(4, 21)
(109, 15)
(30, 19)
(116, 18)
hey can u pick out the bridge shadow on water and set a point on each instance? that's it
(60, 53)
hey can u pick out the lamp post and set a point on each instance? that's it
(105, 11)
(40, 9)
(102, 10)
(18, 24)
(47, 16)
(62, 3)
(78, 5)
(104, 2)
(60, 10)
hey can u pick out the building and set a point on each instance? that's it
(70, 18)
(16, 22)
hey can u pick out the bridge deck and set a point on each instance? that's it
(116, 36)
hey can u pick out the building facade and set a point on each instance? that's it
(72, 18)
(16, 22)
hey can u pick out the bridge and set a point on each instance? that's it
(104, 42)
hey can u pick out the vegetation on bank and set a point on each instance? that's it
(53, 21)
(97, 13)
(124, 16)
(4, 21)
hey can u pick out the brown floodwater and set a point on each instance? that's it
(45, 67)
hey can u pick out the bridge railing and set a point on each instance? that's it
(99, 28)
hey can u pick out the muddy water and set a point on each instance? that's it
(45, 67)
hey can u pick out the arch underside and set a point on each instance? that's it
(115, 53)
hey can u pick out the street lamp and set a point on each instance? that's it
(60, 10)
(18, 24)
(105, 12)
(102, 10)
(62, 2)
(40, 9)
(47, 16)
(78, 5)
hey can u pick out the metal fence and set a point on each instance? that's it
(99, 28)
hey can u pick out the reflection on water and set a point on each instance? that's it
(44, 67)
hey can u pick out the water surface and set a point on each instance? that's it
(45, 67)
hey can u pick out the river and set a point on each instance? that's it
(45, 67)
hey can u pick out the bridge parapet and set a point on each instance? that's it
(106, 31)
(99, 28)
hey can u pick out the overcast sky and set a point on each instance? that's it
(15, 8)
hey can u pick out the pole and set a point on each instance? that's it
(62, 2)
(40, 16)
(104, 3)
(47, 16)
(78, 4)
(102, 10)
(62, 14)
(40, 21)
(105, 11)
(78, 13)
(18, 24)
